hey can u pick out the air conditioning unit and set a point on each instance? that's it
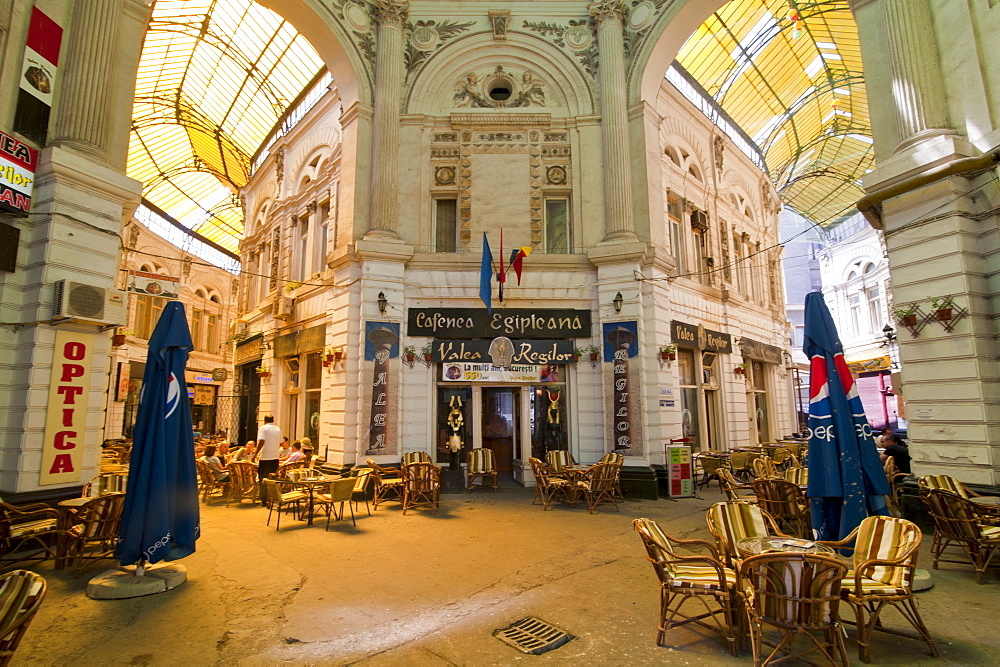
(87, 302)
(283, 307)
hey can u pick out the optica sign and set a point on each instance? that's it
(17, 174)
(66, 417)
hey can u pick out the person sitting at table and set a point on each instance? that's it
(898, 450)
(245, 453)
(284, 449)
(222, 451)
(882, 441)
(218, 469)
(307, 455)
(296, 454)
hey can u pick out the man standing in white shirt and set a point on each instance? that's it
(268, 441)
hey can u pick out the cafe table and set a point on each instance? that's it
(753, 546)
(574, 474)
(310, 484)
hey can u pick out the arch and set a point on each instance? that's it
(661, 44)
(568, 91)
(316, 21)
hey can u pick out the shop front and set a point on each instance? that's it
(237, 414)
(761, 367)
(700, 387)
(300, 377)
(501, 380)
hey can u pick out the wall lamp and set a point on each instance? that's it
(617, 302)
(383, 302)
(890, 335)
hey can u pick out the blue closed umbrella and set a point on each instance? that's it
(846, 480)
(160, 517)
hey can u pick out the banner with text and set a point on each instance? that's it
(526, 373)
(66, 417)
(460, 323)
(525, 351)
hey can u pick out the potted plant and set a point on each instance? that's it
(942, 308)
(741, 369)
(339, 354)
(263, 371)
(410, 352)
(117, 339)
(292, 285)
(668, 352)
(907, 316)
(579, 352)
(426, 350)
(593, 351)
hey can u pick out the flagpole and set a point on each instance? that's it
(502, 276)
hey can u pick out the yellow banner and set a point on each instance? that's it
(66, 417)
(868, 365)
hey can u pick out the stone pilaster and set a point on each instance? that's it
(84, 115)
(917, 85)
(608, 16)
(391, 18)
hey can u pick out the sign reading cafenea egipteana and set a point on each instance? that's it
(515, 323)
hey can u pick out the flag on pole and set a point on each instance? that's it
(516, 257)
(486, 276)
(502, 275)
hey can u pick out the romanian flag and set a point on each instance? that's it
(516, 256)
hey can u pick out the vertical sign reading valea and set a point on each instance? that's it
(383, 340)
(66, 417)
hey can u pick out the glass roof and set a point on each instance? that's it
(789, 74)
(216, 78)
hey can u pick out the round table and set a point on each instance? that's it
(754, 546)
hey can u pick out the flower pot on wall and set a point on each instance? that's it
(908, 320)
(117, 340)
(943, 314)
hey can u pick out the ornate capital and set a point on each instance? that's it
(603, 10)
(391, 12)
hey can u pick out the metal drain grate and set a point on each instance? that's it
(533, 635)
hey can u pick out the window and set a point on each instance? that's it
(147, 314)
(323, 237)
(302, 274)
(759, 402)
(738, 266)
(854, 308)
(446, 225)
(557, 241)
(197, 315)
(699, 228)
(874, 297)
(674, 212)
(211, 325)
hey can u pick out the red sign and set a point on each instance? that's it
(17, 174)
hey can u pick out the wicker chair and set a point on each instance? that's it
(797, 594)
(416, 457)
(797, 476)
(709, 468)
(285, 468)
(339, 491)
(943, 483)
(619, 460)
(731, 522)
(739, 466)
(732, 487)
(242, 481)
(361, 482)
(885, 558)
(786, 503)
(21, 593)
(388, 484)
(20, 525)
(91, 530)
(598, 485)
(109, 482)
(782, 458)
(207, 482)
(763, 468)
(683, 578)
(421, 486)
(481, 464)
(959, 520)
(276, 499)
(548, 487)
(557, 458)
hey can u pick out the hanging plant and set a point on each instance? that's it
(942, 308)
(668, 352)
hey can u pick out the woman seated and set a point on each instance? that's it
(245, 453)
(218, 469)
(284, 449)
(307, 456)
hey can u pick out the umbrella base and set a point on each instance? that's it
(121, 583)
(922, 580)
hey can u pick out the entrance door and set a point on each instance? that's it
(500, 423)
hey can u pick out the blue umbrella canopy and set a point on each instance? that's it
(846, 480)
(160, 518)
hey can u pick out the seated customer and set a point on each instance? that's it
(296, 454)
(218, 470)
(246, 453)
(307, 456)
(898, 450)
(284, 449)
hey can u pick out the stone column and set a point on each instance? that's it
(917, 85)
(608, 16)
(391, 17)
(84, 112)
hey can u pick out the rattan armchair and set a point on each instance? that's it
(798, 595)
(388, 484)
(958, 520)
(416, 457)
(943, 483)
(21, 593)
(207, 483)
(242, 482)
(548, 487)
(482, 464)
(708, 466)
(618, 459)
(36, 524)
(731, 522)
(786, 503)
(598, 485)
(421, 486)
(276, 499)
(556, 459)
(882, 569)
(691, 578)
(338, 491)
(361, 483)
(91, 530)
(732, 487)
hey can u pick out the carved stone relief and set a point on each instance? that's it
(499, 19)
(499, 89)
(719, 146)
(577, 37)
(426, 36)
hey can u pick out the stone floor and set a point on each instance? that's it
(426, 589)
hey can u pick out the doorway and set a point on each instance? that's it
(501, 424)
